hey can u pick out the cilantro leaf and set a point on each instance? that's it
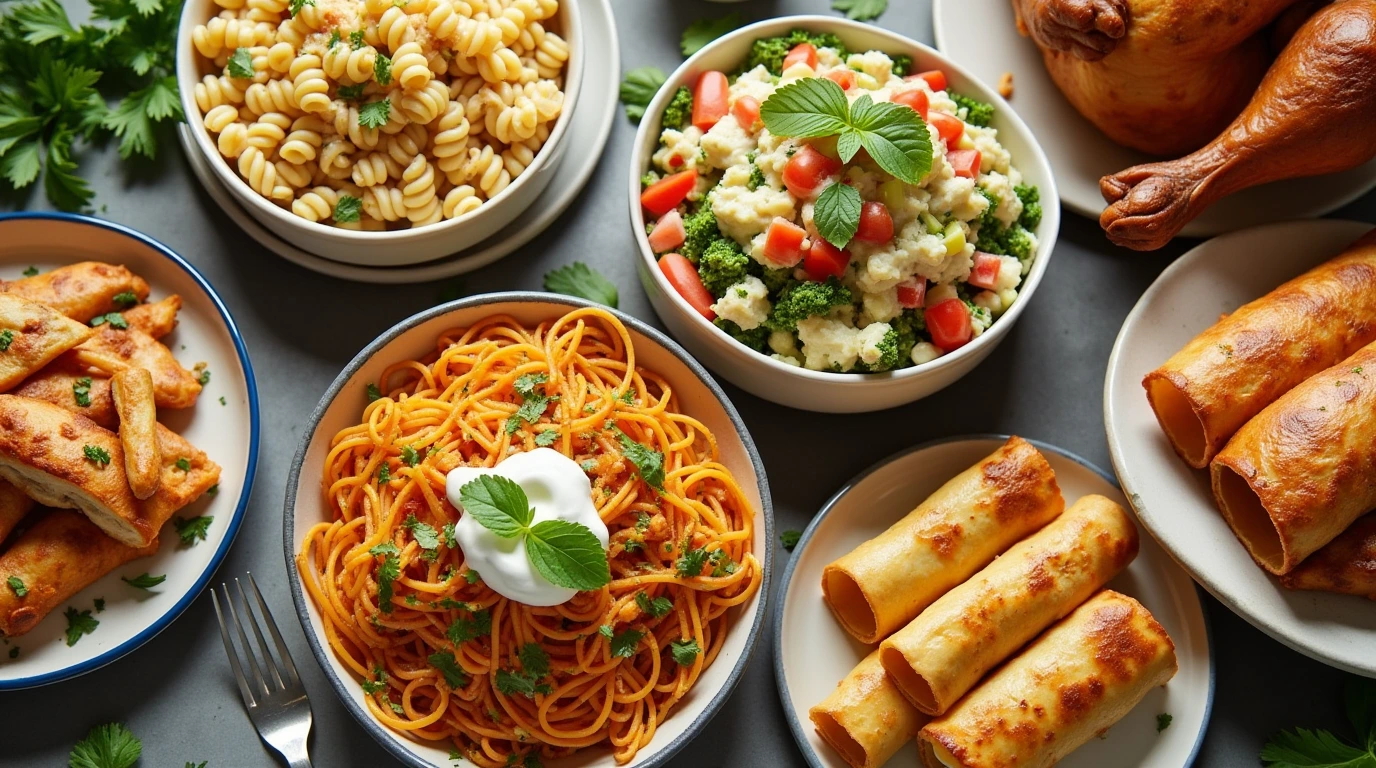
(81, 391)
(356, 39)
(448, 666)
(385, 548)
(534, 660)
(685, 652)
(533, 403)
(79, 623)
(409, 456)
(659, 606)
(568, 555)
(351, 92)
(425, 535)
(703, 31)
(144, 581)
(790, 539)
(6, 339)
(115, 319)
(22, 163)
(17, 584)
(547, 438)
(860, 10)
(382, 69)
(375, 114)
(240, 64)
(106, 746)
(625, 642)
(606, 631)
(43, 21)
(450, 536)
(1304, 748)
(373, 392)
(638, 89)
(837, 214)
(387, 574)
(498, 503)
(511, 683)
(125, 299)
(691, 563)
(96, 454)
(132, 121)
(578, 279)
(378, 685)
(192, 529)
(295, 6)
(64, 188)
(463, 630)
(649, 463)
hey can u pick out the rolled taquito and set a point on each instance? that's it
(61, 554)
(1244, 362)
(1304, 469)
(1347, 565)
(885, 582)
(942, 654)
(866, 720)
(15, 505)
(1078, 678)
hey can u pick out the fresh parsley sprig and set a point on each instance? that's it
(567, 554)
(703, 31)
(1303, 748)
(638, 89)
(578, 279)
(106, 746)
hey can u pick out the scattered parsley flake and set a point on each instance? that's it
(144, 581)
(547, 438)
(184, 464)
(378, 685)
(356, 40)
(649, 463)
(691, 563)
(31, 272)
(424, 534)
(106, 746)
(115, 319)
(81, 390)
(79, 623)
(463, 630)
(125, 299)
(384, 475)
(295, 7)
(409, 456)
(375, 114)
(606, 631)
(685, 652)
(448, 665)
(657, 607)
(192, 529)
(17, 584)
(790, 539)
(240, 64)
(387, 573)
(334, 40)
(96, 454)
(100, 605)
(534, 660)
(6, 339)
(204, 377)
(1163, 721)
(471, 576)
(382, 70)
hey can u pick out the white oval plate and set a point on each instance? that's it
(1080, 154)
(588, 129)
(812, 652)
(228, 433)
(1174, 501)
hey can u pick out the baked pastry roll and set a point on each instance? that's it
(1347, 565)
(866, 720)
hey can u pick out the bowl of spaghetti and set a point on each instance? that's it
(431, 658)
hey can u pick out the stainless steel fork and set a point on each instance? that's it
(273, 694)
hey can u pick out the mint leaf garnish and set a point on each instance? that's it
(498, 503)
(837, 214)
(568, 555)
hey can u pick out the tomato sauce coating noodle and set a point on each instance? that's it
(445, 658)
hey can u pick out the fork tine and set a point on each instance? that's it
(260, 685)
(269, 664)
(249, 700)
(287, 663)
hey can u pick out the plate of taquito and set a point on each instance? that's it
(988, 601)
(128, 440)
(1240, 404)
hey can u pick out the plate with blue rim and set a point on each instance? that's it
(224, 423)
(812, 653)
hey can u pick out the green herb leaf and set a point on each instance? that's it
(295, 6)
(625, 642)
(659, 606)
(1163, 721)
(387, 574)
(685, 652)
(79, 623)
(638, 89)
(192, 529)
(125, 299)
(568, 555)
(790, 539)
(17, 584)
(703, 31)
(144, 581)
(498, 503)
(409, 456)
(578, 279)
(373, 393)
(649, 463)
(106, 746)
(356, 39)
(204, 377)
(1303, 748)
(133, 118)
(547, 438)
(837, 214)
(472, 628)
(425, 535)
(385, 548)
(382, 70)
(534, 660)
(511, 684)
(606, 631)
(379, 685)
(81, 390)
(184, 464)
(6, 339)
(384, 475)
(31, 272)
(96, 454)
(240, 63)
(895, 137)
(100, 604)
(115, 319)
(351, 92)
(14, 652)
(860, 10)
(691, 563)
(375, 114)
(448, 666)
(807, 108)
(450, 536)
(334, 39)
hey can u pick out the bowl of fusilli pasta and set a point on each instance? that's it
(381, 132)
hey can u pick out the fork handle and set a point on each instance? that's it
(294, 752)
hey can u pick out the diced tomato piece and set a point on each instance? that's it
(965, 162)
(746, 110)
(949, 323)
(947, 126)
(824, 260)
(985, 271)
(916, 99)
(804, 53)
(675, 161)
(842, 77)
(806, 171)
(668, 233)
(664, 195)
(783, 243)
(936, 79)
(709, 99)
(912, 293)
(683, 276)
(876, 225)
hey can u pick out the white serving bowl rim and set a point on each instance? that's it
(752, 625)
(188, 76)
(1046, 235)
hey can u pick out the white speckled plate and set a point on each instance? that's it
(1174, 501)
(224, 424)
(1080, 154)
(812, 652)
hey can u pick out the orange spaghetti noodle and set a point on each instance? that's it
(689, 545)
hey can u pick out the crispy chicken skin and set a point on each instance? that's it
(43, 450)
(80, 291)
(132, 391)
(32, 336)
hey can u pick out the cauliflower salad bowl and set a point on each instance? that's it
(834, 217)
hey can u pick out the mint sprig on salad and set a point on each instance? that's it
(567, 554)
(895, 136)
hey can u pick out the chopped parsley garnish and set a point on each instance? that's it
(685, 652)
(578, 279)
(81, 390)
(356, 40)
(31, 272)
(451, 539)
(625, 642)
(642, 522)
(382, 70)
(656, 607)
(375, 114)
(1163, 721)
(722, 564)
(212, 490)
(334, 40)
(649, 463)
(606, 631)
(409, 456)
(533, 401)
(203, 378)
(385, 548)
(547, 438)
(96, 454)
(144, 581)
(17, 584)
(14, 652)
(100, 605)
(448, 666)
(184, 464)
(192, 529)
(115, 319)
(512, 683)
(125, 299)
(378, 685)
(6, 339)
(240, 63)
(471, 576)
(463, 630)
(106, 746)
(373, 393)
(691, 562)
(222, 400)
(79, 623)
(387, 573)
(534, 660)
(790, 539)
(424, 534)
(384, 475)
(295, 6)
(351, 93)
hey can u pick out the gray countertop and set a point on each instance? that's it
(1045, 381)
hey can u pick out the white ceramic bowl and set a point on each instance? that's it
(698, 395)
(398, 247)
(818, 390)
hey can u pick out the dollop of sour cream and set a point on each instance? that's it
(558, 489)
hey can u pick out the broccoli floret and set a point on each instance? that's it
(910, 327)
(902, 65)
(1018, 242)
(976, 112)
(775, 280)
(757, 178)
(699, 229)
(800, 301)
(722, 265)
(1031, 199)
(986, 221)
(770, 51)
(891, 353)
(648, 179)
(756, 338)
(679, 111)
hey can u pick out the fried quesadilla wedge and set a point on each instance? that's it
(65, 460)
(31, 336)
(80, 291)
